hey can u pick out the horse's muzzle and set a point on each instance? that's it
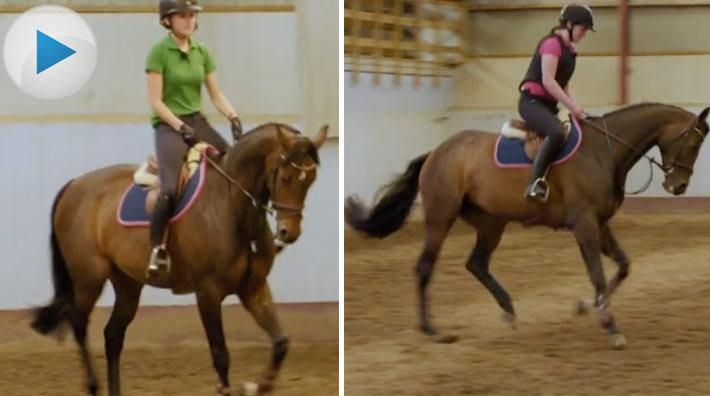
(675, 188)
(680, 188)
(286, 236)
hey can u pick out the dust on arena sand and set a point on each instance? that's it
(663, 308)
(166, 353)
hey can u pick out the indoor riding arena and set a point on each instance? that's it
(274, 64)
(418, 72)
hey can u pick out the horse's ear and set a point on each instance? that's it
(285, 140)
(320, 136)
(703, 114)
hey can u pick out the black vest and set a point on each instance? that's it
(565, 64)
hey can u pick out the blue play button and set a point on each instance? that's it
(50, 52)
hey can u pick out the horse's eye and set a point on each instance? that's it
(286, 179)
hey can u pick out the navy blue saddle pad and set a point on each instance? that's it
(510, 153)
(131, 209)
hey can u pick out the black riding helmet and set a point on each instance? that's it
(578, 15)
(170, 7)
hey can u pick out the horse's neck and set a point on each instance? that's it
(640, 130)
(247, 166)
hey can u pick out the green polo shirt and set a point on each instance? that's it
(183, 75)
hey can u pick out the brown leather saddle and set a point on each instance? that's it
(518, 129)
(147, 174)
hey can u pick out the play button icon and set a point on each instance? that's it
(50, 52)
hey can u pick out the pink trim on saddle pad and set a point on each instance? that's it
(175, 218)
(559, 161)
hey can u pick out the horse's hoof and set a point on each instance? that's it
(617, 341)
(509, 319)
(445, 338)
(583, 307)
(251, 389)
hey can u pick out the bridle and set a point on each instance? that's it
(273, 207)
(666, 169)
(675, 163)
(293, 210)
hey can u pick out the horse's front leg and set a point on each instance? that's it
(588, 234)
(610, 248)
(260, 305)
(209, 303)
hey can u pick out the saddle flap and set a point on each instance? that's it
(147, 173)
(520, 149)
(518, 129)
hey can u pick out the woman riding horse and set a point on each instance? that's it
(460, 179)
(222, 246)
(177, 66)
(546, 83)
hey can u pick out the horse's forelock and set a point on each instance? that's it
(302, 148)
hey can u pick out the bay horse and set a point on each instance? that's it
(222, 246)
(459, 179)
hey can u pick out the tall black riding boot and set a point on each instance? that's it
(537, 186)
(159, 258)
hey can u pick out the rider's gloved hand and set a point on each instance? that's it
(236, 126)
(189, 135)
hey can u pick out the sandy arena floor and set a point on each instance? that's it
(663, 308)
(166, 353)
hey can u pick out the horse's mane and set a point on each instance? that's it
(642, 105)
(276, 125)
(303, 146)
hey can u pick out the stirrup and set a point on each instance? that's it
(158, 264)
(539, 190)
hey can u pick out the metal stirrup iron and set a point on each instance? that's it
(157, 263)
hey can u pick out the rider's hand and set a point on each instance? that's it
(236, 126)
(577, 112)
(189, 135)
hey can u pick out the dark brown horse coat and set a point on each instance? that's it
(460, 179)
(222, 246)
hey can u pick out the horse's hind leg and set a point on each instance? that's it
(437, 225)
(85, 296)
(490, 230)
(128, 293)
(260, 305)
(588, 234)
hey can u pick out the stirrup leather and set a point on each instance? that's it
(158, 264)
(539, 190)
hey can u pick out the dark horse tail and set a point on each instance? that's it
(48, 318)
(392, 208)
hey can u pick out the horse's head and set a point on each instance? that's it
(679, 151)
(294, 170)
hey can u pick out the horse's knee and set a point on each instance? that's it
(477, 263)
(474, 267)
(623, 271)
(114, 335)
